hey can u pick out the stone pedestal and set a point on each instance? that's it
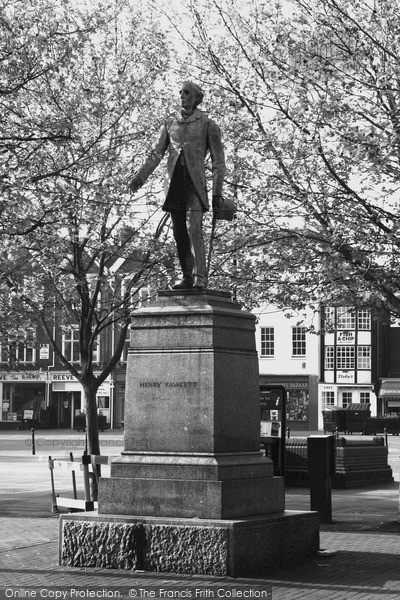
(191, 468)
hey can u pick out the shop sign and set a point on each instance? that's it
(63, 377)
(288, 385)
(27, 376)
(345, 377)
(104, 389)
(345, 338)
(44, 352)
(393, 403)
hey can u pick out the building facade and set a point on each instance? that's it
(36, 387)
(354, 354)
(354, 358)
(289, 355)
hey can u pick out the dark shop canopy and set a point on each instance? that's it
(389, 388)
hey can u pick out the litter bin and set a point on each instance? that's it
(321, 468)
(334, 419)
(356, 417)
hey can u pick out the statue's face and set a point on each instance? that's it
(188, 98)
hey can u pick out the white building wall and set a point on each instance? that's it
(283, 362)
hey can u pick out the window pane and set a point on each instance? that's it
(345, 357)
(329, 318)
(346, 318)
(364, 319)
(329, 357)
(328, 399)
(299, 341)
(363, 357)
(75, 353)
(346, 398)
(267, 341)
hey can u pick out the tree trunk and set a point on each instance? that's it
(92, 430)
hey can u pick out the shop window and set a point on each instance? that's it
(363, 357)
(329, 358)
(103, 402)
(345, 357)
(328, 399)
(345, 318)
(298, 341)
(297, 405)
(267, 341)
(346, 398)
(365, 397)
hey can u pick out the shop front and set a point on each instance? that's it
(67, 406)
(301, 399)
(388, 397)
(23, 400)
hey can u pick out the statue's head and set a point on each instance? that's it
(191, 93)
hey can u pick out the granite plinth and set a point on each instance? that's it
(199, 498)
(202, 547)
(192, 377)
(192, 417)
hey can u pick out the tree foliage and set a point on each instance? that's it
(313, 102)
(77, 107)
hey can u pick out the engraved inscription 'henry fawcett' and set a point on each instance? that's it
(168, 384)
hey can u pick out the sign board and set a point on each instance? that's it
(28, 414)
(345, 377)
(44, 352)
(393, 403)
(346, 338)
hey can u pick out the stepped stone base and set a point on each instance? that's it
(232, 548)
(191, 493)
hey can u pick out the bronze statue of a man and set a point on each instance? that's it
(188, 136)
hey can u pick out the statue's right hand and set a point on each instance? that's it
(134, 185)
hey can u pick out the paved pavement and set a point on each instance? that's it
(359, 557)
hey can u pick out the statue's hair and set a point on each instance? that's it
(197, 90)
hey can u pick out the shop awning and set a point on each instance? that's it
(389, 388)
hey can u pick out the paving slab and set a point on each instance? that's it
(359, 555)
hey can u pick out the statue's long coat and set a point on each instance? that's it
(194, 137)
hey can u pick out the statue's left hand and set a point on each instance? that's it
(134, 185)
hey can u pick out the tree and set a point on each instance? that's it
(70, 221)
(313, 89)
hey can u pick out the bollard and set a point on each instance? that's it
(386, 437)
(288, 433)
(321, 468)
(33, 441)
(71, 458)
